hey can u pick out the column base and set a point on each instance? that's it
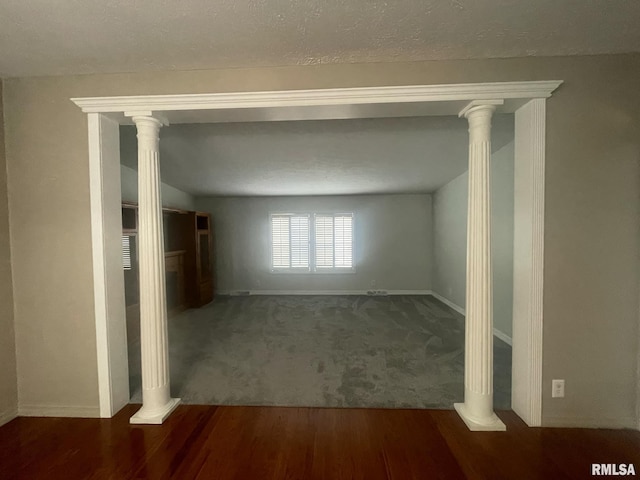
(157, 417)
(491, 424)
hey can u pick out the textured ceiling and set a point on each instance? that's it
(42, 37)
(329, 157)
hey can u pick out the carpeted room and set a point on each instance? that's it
(401, 351)
(387, 333)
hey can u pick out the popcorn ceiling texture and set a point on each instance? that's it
(54, 38)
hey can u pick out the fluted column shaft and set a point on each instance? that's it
(477, 410)
(156, 400)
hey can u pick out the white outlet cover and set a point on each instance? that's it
(557, 388)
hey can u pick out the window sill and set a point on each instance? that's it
(314, 272)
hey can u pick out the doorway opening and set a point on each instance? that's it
(525, 99)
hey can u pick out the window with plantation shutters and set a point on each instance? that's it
(290, 242)
(334, 241)
(320, 243)
(126, 252)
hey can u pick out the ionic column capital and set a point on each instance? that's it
(480, 108)
(148, 131)
(479, 113)
(147, 120)
(147, 114)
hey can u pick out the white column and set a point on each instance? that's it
(157, 403)
(477, 409)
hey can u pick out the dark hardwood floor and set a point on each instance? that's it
(204, 442)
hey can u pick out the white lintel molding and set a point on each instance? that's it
(329, 96)
(477, 409)
(157, 403)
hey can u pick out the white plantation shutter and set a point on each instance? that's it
(280, 247)
(329, 237)
(334, 241)
(324, 241)
(343, 241)
(299, 228)
(126, 252)
(289, 241)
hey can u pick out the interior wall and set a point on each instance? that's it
(392, 242)
(171, 196)
(8, 378)
(502, 201)
(592, 234)
(450, 238)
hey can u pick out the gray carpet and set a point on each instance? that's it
(327, 351)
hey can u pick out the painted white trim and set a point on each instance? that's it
(528, 264)
(99, 263)
(449, 303)
(329, 96)
(466, 111)
(404, 292)
(7, 416)
(530, 132)
(538, 145)
(502, 336)
(58, 411)
(322, 292)
(108, 281)
(590, 422)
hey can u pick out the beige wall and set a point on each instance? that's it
(392, 247)
(8, 382)
(592, 241)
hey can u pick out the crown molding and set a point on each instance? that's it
(332, 96)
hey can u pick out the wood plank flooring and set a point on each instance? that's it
(206, 442)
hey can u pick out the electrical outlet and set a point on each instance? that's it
(557, 388)
(374, 284)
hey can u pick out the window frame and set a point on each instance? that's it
(127, 257)
(334, 269)
(313, 269)
(289, 269)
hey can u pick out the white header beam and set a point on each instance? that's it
(333, 96)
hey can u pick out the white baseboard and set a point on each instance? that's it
(7, 416)
(497, 333)
(321, 292)
(449, 303)
(589, 422)
(58, 411)
(503, 336)
(409, 292)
